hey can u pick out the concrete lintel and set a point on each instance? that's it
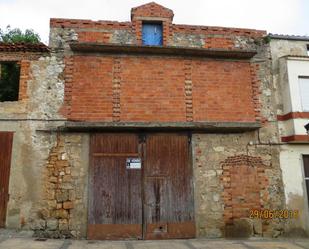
(224, 127)
(88, 47)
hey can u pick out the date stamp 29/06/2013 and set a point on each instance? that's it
(273, 214)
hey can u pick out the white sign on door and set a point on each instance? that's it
(134, 163)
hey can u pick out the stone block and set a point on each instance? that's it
(68, 205)
(63, 224)
(53, 179)
(66, 186)
(72, 195)
(67, 170)
(52, 204)
(50, 194)
(62, 196)
(60, 213)
(38, 224)
(257, 226)
(52, 224)
(67, 178)
(241, 228)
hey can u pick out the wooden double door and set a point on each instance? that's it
(140, 187)
(6, 139)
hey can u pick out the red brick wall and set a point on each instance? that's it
(245, 186)
(128, 88)
(222, 91)
(24, 77)
(219, 42)
(152, 89)
(162, 89)
(151, 10)
(91, 93)
(91, 36)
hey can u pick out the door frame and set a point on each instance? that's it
(6, 188)
(142, 136)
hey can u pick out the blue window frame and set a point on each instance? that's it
(152, 34)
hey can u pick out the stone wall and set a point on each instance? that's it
(217, 207)
(36, 110)
(64, 204)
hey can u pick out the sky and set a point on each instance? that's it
(275, 16)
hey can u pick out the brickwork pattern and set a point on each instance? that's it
(188, 90)
(176, 90)
(100, 37)
(68, 78)
(116, 89)
(151, 10)
(91, 91)
(245, 186)
(222, 91)
(219, 42)
(152, 90)
(256, 92)
(137, 30)
(24, 77)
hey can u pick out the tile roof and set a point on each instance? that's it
(290, 37)
(23, 47)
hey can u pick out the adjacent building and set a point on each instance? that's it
(290, 67)
(147, 130)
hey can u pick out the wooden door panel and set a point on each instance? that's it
(155, 202)
(6, 140)
(157, 199)
(168, 191)
(115, 207)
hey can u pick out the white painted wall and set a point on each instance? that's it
(292, 127)
(296, 67)
(290, 70)
(299, 126)
(293, 180)
(292, 169)
(286, 128)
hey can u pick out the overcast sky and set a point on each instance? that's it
(275, 16)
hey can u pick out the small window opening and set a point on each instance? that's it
(308, 49)
(152, 34)
(9, 81)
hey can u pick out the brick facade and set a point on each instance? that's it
(161, 88)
